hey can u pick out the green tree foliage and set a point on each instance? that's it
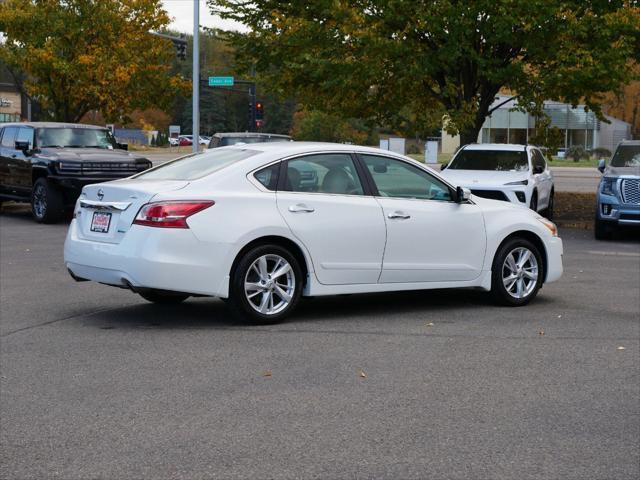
(82, 55)
(318, 126)
(409, 62)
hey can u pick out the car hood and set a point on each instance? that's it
(622, 171)
(469, 178)
(88, 155)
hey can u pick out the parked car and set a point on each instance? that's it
(174, 141)
(47, 164)
(236, 223)
(234, 138)
(508, 172)
(618, 195)
(204, 140)
(185, 140)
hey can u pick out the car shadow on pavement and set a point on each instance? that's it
(210, 313)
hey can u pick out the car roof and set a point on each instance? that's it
(53, 125)
(629, 142)
(249, 134)
(284, 149)
(505, 147)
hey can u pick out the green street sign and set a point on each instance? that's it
(221, 81)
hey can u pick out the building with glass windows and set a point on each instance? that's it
(579, 127)
(12, 103)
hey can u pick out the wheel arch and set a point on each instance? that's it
(284, 242)
(533, 238)
(38, 172)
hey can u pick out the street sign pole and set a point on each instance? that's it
(196, 76)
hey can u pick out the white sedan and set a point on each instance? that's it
(508, 172)
(260, 225)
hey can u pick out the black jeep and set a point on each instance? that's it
(47, 164)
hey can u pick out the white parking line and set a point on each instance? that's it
(621, 254)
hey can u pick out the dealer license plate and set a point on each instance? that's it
(100, 222)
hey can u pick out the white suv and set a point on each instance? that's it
(513, 173)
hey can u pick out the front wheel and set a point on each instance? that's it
(602, 230)
(47, 204)
(550, 205)
(517, 272)
(533, 204)
(266, 284)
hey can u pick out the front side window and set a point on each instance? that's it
(500, 160)
(196, 165)
(395, 178)
(8, 137)
(25, 135)
(625, 156)
(333, 173)
(75, 138)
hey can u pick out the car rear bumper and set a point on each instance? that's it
(147, 257)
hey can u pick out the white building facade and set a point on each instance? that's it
(578, 126)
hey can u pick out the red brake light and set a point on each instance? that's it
(169, 214)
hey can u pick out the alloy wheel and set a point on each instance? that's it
(520, 272)
(269, 284)
(39, 201)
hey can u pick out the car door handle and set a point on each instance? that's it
(301, 208)
(399, 214)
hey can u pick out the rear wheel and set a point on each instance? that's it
(517, 272)
(164, 298)
(533, 204)
(550, 205)
(602, 230)
(266, 284)
(47, 205)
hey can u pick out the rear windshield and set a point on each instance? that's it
(626, 156)
(196, 165)
(501, 160)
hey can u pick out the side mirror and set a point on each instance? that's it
(122, 146)
(443, 166)
(462, 194)
(537, 169)
(602, 164)
(22, 146)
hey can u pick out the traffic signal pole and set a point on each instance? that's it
(196, 76)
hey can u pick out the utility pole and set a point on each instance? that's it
(196, 77)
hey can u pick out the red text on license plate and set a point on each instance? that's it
(100, 222)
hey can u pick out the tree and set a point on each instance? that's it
(403, 61)
(321, 127)
(82, 55)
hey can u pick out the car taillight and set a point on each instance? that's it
(172, 214)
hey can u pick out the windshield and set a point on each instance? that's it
(75, 138)
(235, 140)
(511, 161)
(626, 156)
(196, 165)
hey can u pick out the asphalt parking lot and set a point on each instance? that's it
(97, 383)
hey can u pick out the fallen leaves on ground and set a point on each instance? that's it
(266, 373)
(362, 374)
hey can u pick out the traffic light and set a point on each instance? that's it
(181, 49)
(259, 111)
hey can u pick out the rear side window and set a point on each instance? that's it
(8, 138)
(268, 176)
(197, 165)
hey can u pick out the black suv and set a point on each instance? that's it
(47, 164)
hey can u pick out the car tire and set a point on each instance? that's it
(550, 206)
(47, 203)
(602, 230)
(533, 203)
(164, 298)
(256, 294)
(517, 272)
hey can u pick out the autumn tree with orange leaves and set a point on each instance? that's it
(75, 56)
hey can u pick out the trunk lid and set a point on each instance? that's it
(105, 211)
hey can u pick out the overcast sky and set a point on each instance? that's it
(182, 13)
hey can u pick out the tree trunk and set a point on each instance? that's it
(469, 136)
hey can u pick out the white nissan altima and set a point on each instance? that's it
(262, 225)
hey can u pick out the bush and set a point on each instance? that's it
(412, 148)
(576, 152)
(601, 152)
